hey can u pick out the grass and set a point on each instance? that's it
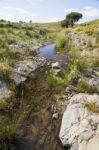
(62, 41)
(96, 63)
(82, 86)
(78, 66)
(89, 27)
(7, 133)
(15, 34)
(56, 83)
(97, 38)
(92, 106)
(82, 65)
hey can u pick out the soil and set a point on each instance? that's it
(37, 129)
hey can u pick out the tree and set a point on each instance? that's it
(65, 23)
(74, 17)
(71, 18)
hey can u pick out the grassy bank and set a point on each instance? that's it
(78, 68)
(15, 40)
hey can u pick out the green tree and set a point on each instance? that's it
(70, 19)
(74, 17)
(65, 23)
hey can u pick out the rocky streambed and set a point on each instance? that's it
(39, 111)
(40, 118)
(34, 103)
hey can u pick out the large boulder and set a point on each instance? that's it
(79, 127)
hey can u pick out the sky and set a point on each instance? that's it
(47, 10)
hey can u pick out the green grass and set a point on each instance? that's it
(13, 33)
(96, 63)
(62, 41)
(82, 86)
(97, 38)
(56, 83)
(92, 106)
(88, 28)
(82, 65)
(7, 133)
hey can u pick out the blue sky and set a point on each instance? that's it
(47, 10)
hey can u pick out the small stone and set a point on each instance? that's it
(55, 116)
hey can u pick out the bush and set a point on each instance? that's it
(65, 23)
(3, 44)
(29, 33)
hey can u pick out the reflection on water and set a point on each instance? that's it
(49, 52)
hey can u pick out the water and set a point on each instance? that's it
(50, 53)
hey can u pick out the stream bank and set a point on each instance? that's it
(36, 105)
(37, 128)
(39, 108)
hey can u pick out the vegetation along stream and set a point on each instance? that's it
(38, 108)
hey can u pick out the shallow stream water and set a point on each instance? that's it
(49, 51)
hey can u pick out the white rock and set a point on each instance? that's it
(82, 145)
(78, 123)
(56, 64)
(83, 98)
(4, 91)
(93, 144)
(85, 136)
(55, 116)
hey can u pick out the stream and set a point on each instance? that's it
(37, 129)
(49, 51)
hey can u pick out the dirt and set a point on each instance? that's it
(37, 129)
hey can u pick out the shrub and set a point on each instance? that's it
(29, 33)
(3, 43)
(65, 23)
